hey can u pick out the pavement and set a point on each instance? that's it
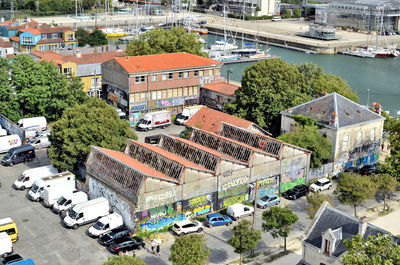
(173, 129)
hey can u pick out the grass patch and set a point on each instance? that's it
(252, 256)
(277, 256)
(383, 213)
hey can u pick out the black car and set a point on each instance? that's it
(11, 259)
(125, 244)
(369, 169)
(349, 170)
(154, 139)
(113, 234)
(296, 192)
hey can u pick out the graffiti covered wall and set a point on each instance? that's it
(293, 172)
(265, 185)
(98, 189)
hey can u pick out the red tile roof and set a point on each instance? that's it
(5, 44)
(49, 56)
(10, 56)
(14, 38)
(45, 41)
(223, 88)
(89, 58)
(34, 31)
(137, 64)
(127, 160)
(55, 29)
(22, 26)
(171, 156)
(210, 120)
(7, 22)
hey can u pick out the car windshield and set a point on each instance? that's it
(7, 156)
(177, 226)
(208, 217)
(319, 183)
(21, 178)
(184, 117)
(120, 240)
(108, 235)
(98, 225)
(72, 214)
(265, 199)
(61, 201)
(34, 188)
(297, 188)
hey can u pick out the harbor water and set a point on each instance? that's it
(381, 76)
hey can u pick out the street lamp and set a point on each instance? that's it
(368, 96)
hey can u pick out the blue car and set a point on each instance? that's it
(216, 219)
(269, 200)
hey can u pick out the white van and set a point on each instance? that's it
(29, 176)
(105, 224)
(3, 132)
(31, 131)
(87, 212)
(68, 200)
(36, 121)
(42, 142)
(239, 210)
(51, 194)
(61, 179)
(8, 142)
(6, 247)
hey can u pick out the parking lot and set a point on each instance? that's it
(171, 130)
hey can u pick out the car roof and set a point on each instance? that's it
(22, 148)
(211, 215)
(323, 180)
(119, 229)
(183, 222)
(270, 194)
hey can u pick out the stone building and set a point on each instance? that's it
(323, 240)
(355, 131)
(216, 95)
(154, 185)
(139, 84)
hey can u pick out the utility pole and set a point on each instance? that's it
(255, 205)
(12, 9)
(37, 6)
(229, 74)
(76, 9)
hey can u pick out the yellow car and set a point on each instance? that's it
(8, 225)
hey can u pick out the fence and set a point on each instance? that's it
(11, 127)
(325, 171)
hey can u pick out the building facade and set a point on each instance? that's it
(355, 131)
(6, 49)
(153, 186)
(40, 39)
(87, 66)
(216, 95)
(254, 7)
(142, 84)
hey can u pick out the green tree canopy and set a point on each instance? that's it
(376, 250)
(355, 189)
(278, 221)
(96, 38)
(92, 123)
(385, 184)
(271, 86)
(315, 201)
(189, 250)
(9, 105)
(124, 260)
(82, 36)
(309, 138)
(244, 238)
(158, 40)
(391, 127)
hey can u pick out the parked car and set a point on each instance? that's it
(18, 154)
(6, 247)
(106, 238)
(320, 185)
(105, 224)
(369, 169)
(276, 18)
(296, 192)
(186, 227)
(239, 210)
(349, 170)
(10, 227)
(154, 139)
(125, 244)
(216, 219)
(11, 259)
(268, 200)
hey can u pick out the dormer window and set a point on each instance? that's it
(327, 246)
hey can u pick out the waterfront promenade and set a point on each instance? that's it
(281, 33)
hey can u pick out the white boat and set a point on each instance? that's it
(360, 52)
(221, 45)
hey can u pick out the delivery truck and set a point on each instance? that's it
(35, 121)
(187, 113)
(29, 176)
(155, 119)
(51, 194)
(60, 179)
(105, 224)
(86, 212)
(9, 141)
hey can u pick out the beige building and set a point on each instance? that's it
(355, 131)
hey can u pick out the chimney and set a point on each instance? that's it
(362, 225)
(333, 120)
(77, 53)
(324, 93)
(289, 110)
(376, 107)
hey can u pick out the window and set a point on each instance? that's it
(41, 48)
(346, 141)
(27, 40)
(359, 137)
(54, 36)
(180, 75)
(28, 48)
(70, 37)
(96, 82)
(170, 76)
(185, 74)
(44, 36)
(153, 78)
(190, 91)
(185, 91)
(170, 91)
(201, 73)
(143, 96)
(137, 97)
(196, 73)
(195, 88)
(67, 71)
(159, 94)
(153, 95)
(373, 135)
(180, 92)
(327, 246)
(10, 231)
(210, 72)
(220, 99)
(164, 94)
(217, 71)
(164, 76)
(140, 79)
(175, 93)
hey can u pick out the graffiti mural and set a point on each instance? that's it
(97, 189)
(234, 182)
(293, 172)
(288, 185)
(155, 224)
(265, 185)
(363, 155)
(235, 199)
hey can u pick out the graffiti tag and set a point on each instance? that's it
(235, 182)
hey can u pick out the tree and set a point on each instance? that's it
(297, 12)
(309, 138)
(355, 189)
(268, 87)
(278, 221)
(385, 184)
(9, 105)
(189, 250)
(315, 201)
(244, 238)
(97, 38)
(92, 123)
(391, 127)
(158, 40)
(376, 250)
(82, 36)
(123, 260)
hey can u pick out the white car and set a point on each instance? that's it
(320, 185)
(276, 18)
(186, 227)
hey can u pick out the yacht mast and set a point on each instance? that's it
(224, 30)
